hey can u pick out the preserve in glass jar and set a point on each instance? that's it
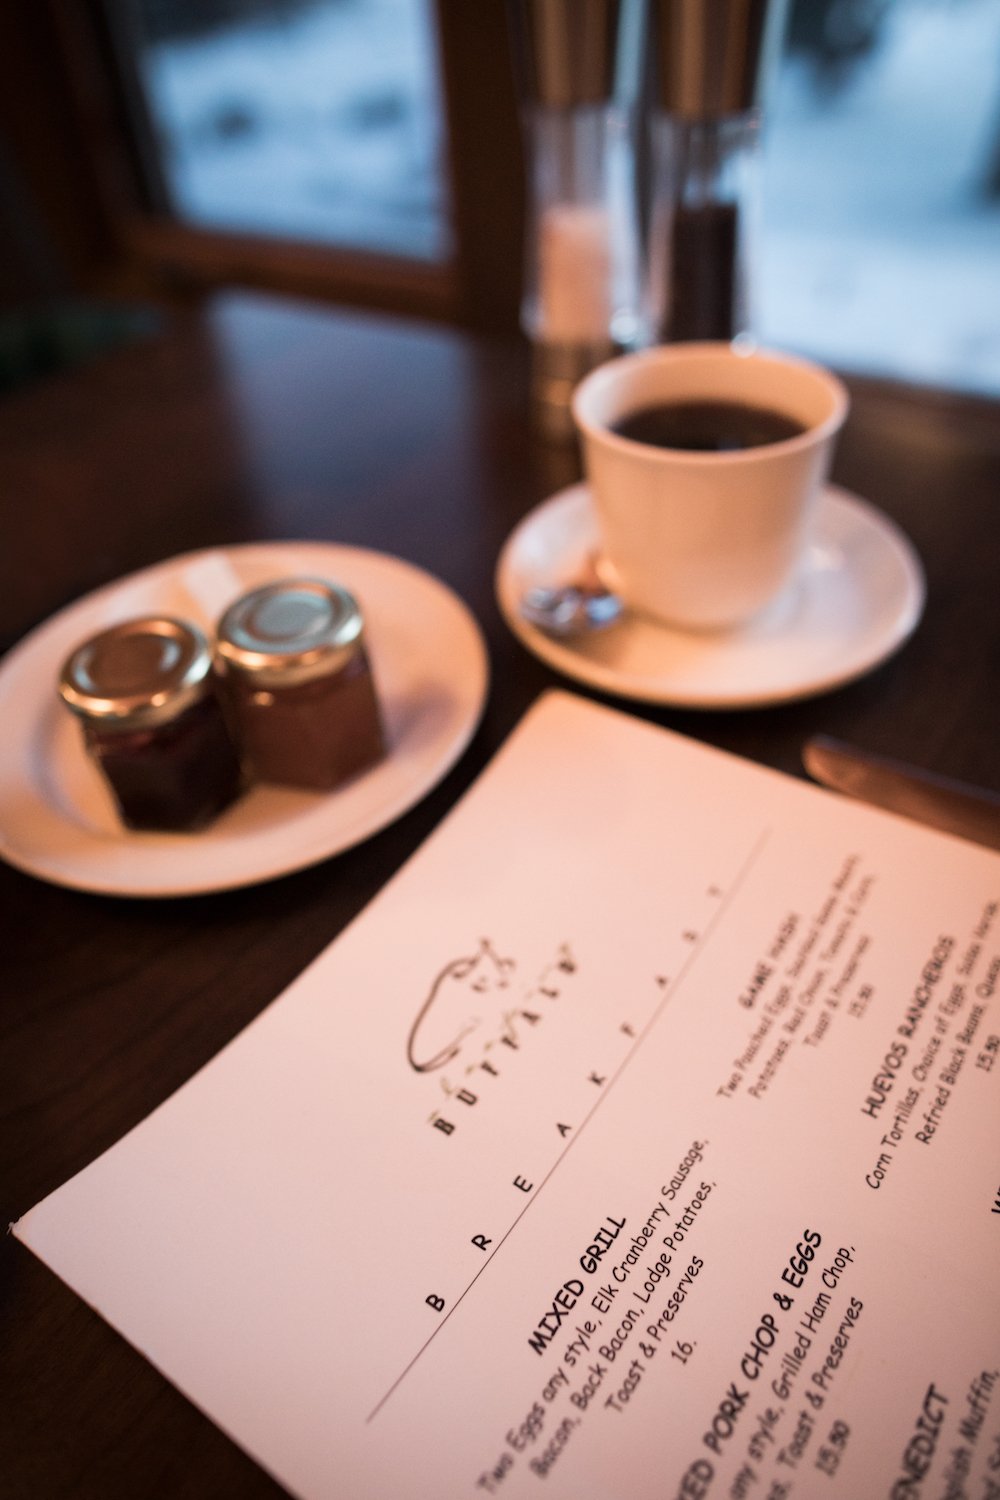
(297, 683)
(144, 692)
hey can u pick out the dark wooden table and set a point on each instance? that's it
(256, 419)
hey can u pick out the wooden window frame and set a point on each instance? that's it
(477, 287)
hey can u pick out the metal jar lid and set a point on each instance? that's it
(714, 57)
(564, 50)
(138, 673)
(291, 631)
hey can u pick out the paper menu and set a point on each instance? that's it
(640, 1138)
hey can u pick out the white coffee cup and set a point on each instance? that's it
(706, 540)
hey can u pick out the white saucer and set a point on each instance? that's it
(56, 817)
(859, 596)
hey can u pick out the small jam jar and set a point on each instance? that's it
(144, 692)
(297, 683)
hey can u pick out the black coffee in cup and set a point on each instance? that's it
(707, 426)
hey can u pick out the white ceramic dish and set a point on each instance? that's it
(859, 595)
(56, 817)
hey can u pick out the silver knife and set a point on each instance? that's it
(951, 806)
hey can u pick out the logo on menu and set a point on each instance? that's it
(475, 1014)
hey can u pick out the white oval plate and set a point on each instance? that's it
(57, 820)
(859, 596)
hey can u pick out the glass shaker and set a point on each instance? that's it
(710, 63)
(580, 302)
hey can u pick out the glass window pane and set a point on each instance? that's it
(318, 120)
(881, 230)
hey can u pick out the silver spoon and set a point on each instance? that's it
(566, 609)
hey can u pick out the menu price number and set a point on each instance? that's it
(832, 1451)
(989, 1053)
